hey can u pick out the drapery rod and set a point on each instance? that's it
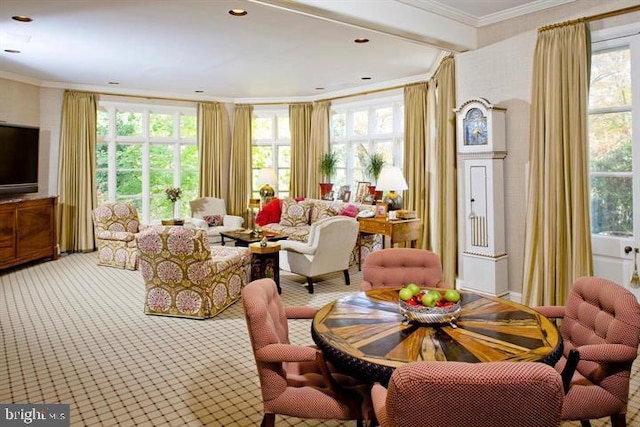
(595, 17)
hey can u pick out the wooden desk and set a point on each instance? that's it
(398, 230)
(363, 334)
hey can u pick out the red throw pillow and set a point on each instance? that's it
(270, 213)
(351, 211)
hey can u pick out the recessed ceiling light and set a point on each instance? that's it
(114, 83)
(361, 40)
(237, 12)
(21, 18)
(11, 51)
(365, 78)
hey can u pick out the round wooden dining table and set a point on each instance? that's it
(365, 335)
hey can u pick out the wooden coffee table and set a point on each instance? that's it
(244, 238)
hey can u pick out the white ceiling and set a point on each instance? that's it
(282, 50)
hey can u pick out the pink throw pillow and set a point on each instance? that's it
(350, 211)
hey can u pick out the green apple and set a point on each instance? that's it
(405, 294)
(414, 288)
(437, 296)
(428, 300)
(452, 295)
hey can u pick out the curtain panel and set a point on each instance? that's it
(417, 141)
(240, 164)
(212, 129)
(318, 145)
(557, 229)
(445, 237)
(300, 124)
(76, 172)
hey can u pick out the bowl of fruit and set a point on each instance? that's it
(429, 306)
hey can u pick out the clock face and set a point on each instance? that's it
(475, 128)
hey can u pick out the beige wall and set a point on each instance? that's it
(501, 71)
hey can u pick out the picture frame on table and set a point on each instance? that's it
(362, 190)
(328, 196)
(381, 210)
(346, 196)
(343, 188)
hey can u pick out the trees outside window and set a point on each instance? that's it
(610, 143)
(271, 148)
(359, 129)
(142, 150)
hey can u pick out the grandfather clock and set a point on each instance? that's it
(482, 149)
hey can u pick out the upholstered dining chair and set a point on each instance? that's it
(601, 330)
(294, 379)
(396, 267)
(458, 394)
(328, 249)
(115, 227)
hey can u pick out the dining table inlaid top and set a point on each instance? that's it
(365, 334)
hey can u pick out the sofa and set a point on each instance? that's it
(293, 218)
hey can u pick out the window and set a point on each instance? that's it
(362, 128)
(271, 148)
(610, 142)
(142, 150)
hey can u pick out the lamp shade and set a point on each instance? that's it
(266, 176)
(391, 179)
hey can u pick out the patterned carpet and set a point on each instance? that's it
(73, 332)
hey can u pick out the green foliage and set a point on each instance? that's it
(329, 164)
(374, 165)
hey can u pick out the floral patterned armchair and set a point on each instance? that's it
(115, 226)
(184, 277)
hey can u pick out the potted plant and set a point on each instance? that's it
(373, 168)
(375, 162)
(328, 167)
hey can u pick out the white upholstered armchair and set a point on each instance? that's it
(328, 249)
(210, 215)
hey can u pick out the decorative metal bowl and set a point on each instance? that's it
(430, 315)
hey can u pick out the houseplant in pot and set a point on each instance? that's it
(373, 167)
(328, 167)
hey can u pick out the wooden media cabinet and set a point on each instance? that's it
(27, 230)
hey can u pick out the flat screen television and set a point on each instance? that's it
(18, 159)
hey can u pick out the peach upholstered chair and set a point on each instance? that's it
(115, 226)
(457, 394)
(294, 379)
(396, 267)
(600, 329)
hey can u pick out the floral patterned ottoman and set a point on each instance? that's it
(184, 277)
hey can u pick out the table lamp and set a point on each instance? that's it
(392, 180)
(266, 177)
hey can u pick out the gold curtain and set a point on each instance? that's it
(76, 172)
(240, 165)
(416, 158)
(300, 124)
(211, 136)
(445, 238)
(557, 230)
(319, 144)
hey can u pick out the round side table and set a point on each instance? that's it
(265, 262)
